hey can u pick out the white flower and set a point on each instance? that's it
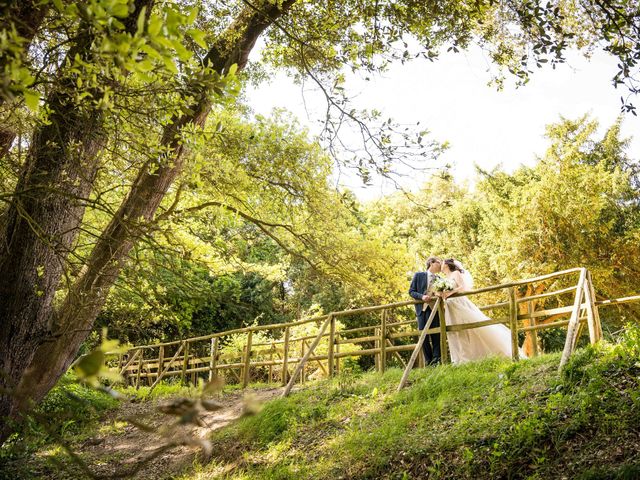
(441, 284)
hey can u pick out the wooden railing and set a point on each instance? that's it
(282, 349)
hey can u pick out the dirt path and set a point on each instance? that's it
(121, 447)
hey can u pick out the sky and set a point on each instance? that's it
(451, 98)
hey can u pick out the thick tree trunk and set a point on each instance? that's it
(42, 224)
(54, 351)
(41, 227)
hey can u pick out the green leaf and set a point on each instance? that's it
(90, 364)
(198, 36)
(141, 21)
(145, 65)
(171, 66)
(193, 15)
(31, 99)
(120, 10)
(155, 25)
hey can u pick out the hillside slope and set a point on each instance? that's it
(492, 419)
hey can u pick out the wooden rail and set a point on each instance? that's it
(270, 351)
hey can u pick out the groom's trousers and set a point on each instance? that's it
(431, 345)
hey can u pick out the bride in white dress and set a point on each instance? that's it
(476, 343)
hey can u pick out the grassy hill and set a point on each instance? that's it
(487, 420)
(492, 419)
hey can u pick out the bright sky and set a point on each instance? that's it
(451, 98)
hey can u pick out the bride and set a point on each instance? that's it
(476, 343)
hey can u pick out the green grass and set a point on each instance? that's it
(492, 419)
(70, 411)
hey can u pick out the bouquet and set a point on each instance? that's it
(442, 284)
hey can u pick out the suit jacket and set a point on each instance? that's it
(419, 286)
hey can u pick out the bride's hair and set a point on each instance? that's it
(453, 265)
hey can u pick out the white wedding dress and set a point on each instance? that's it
(476, 343)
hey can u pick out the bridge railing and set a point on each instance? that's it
(289, 352)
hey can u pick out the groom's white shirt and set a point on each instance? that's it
(430, 277)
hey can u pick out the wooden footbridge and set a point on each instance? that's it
(292, 352)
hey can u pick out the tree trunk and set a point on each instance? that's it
(55, 350)
(42, 224)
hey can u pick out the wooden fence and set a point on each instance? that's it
(281, 348)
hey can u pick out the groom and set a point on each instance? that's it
(418, 290)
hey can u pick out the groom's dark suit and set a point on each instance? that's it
(431, 346)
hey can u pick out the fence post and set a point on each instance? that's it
(285, 360)
(444, 345)
(247, 361)
(337, 351)
(591, 307)
(140, 361)
(596, 311)
(160, 361)
(418, 348)
(213, 359)
(574, 321)
(185, 361)
(513, 323)
(383, 341)
(302, 350)
(332, 339)
(534, 333)
(273, 347)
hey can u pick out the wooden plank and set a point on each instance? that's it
(494, 306)
(285, 357)
(139, 371)
(302, 373)
(371, 338)
(513, 324)
(590, 307)
(302, 363)
(618, 301)
(547, 294)
(596, 311)
(444, 346)
(359, 329)
(547, 313)
(398, 324)
(337, 359)
(418, 347)
(331, 346)
(534, 333)
(247, 361)
(383, 341)
(376, 358)
(160, 359)
(271, 364)
(213, 357)
(573, 321)
(402, 348)
(185, 362)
